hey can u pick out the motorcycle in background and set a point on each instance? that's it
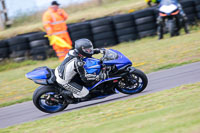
(169, 13)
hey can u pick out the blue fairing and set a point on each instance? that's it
(92, 65)
(38, 73)
(120, 62)
(102, 81)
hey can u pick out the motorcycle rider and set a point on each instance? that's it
(72, 65)
(160, 19)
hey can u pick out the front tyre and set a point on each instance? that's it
(134, 82)
(171, 27)
(186, 28)
(48, 100)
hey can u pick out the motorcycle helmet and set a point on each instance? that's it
(84, 47)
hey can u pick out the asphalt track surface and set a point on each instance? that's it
(158, 81)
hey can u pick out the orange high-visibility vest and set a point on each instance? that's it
(54, 24)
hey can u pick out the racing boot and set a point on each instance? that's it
(160, 27)
(160, 32)
(68, 96)
(185, 24)
(86, 98)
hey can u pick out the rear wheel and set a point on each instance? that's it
(135, 82)
(48, 100)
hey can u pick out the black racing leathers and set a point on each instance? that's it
(69, 68)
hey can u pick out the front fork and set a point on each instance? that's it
(129, 71)
(128, 79)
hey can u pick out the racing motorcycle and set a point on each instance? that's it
(122, 77)
(169, 11)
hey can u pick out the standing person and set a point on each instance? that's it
(54, 23)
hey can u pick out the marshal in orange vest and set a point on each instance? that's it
(54, 23)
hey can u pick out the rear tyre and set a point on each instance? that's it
(46, 99)
(134, 83)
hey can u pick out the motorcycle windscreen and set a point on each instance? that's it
(120, 62)
(168, 9)
(168, 2)
(39, 73)
(92, 65)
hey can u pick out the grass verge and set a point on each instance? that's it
(9, 64)
(161, 112)
(147, 54)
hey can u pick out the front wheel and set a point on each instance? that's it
(47, 99)
(134, 82)
(171, 28)
(186, 28)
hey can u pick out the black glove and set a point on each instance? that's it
(97, 51)
(101, 76)
(90, 77)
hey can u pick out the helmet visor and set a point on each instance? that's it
(88, 50)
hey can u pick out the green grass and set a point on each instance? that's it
(9, 64)
(171, 111)
(14, 86)
(147, 54)
(77, 13)
(172, 65)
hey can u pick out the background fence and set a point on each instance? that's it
(103, 32)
